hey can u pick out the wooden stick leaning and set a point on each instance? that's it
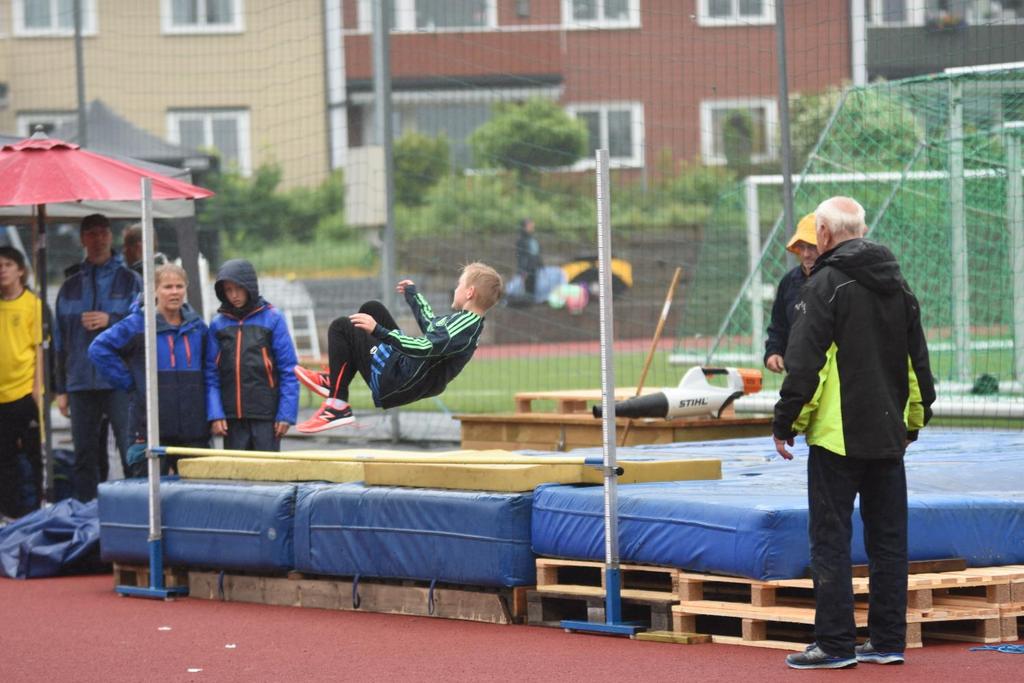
(654, 343)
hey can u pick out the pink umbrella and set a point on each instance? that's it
(40, 170)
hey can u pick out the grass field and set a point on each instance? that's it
(489, 384)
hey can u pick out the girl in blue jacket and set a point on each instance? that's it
(119, 355)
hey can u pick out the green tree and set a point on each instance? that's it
(873, 131)
(809, 114)
(420, 161)
(525, 137)
(245, 209)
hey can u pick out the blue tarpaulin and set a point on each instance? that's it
(61, 539)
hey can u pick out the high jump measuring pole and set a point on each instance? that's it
(156, 588)
(613, 624)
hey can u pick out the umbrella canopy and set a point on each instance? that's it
(41, 170)
(72, 212)
(44, 170)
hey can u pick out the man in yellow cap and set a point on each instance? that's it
(803, 243)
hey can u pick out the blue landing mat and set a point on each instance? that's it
(462, 537)
(966, 499)
(219, 525)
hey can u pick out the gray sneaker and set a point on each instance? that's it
(815, 658)
(868, 653)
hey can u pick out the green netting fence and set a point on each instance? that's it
(936, 162)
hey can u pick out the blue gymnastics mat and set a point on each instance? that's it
(966, 499)
(223, 525)
(463, 537)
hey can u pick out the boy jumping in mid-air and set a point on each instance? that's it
(400, 369)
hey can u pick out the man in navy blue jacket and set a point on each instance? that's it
(92, 299)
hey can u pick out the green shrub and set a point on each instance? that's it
(420, 161)
(525, 137)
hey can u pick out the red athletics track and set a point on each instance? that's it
(77, 629)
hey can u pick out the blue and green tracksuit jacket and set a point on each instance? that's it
(406, 369)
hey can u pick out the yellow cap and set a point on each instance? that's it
(804, 233)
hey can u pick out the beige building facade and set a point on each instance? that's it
(243, 77)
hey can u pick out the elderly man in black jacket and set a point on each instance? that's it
(859, 387)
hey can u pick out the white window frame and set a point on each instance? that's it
(90, 21)
(241, 116)
(707, 133)
(632, 19)
(916, 11)
(168, 27)
(405, 18)
(766, 18)
(55, 116)
(636, 109)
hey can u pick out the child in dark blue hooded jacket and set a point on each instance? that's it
(119, 354)
(252, 393)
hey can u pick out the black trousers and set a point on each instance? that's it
(19, 434)
(833, 481)
(350, 349)
(87, 411)
(251, 435)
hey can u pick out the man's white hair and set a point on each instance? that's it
(842, 216)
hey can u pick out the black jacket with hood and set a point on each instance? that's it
(859, 381)
(251, 358)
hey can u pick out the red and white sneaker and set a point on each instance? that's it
(317, 382)
(328, 417)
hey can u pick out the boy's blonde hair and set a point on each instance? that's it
(169, 269)
(486, 282)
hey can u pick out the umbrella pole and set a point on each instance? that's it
(47, 398)
(156, 588)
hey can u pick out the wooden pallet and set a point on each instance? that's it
(549, 607)
(576, 589)
(138, 576)
(496, 606)
(779, 613)
(1000, 587)
(588, 578)
(565, 432)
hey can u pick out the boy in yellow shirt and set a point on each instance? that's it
(21, 382)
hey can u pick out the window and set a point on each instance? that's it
(224, 130)
(453, 113)
(735, 12)
(601, 13)
(943, 13)
(52, 17)
(897, 12)
(47, 121)
(617, 127)
(747, 121)
(202, 16)
(988, 12)
(435, 15)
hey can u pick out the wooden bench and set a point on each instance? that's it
(566, 431)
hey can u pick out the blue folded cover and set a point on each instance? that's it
(220, 525)
(965, 498)
(61, 539)
(464, 537)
